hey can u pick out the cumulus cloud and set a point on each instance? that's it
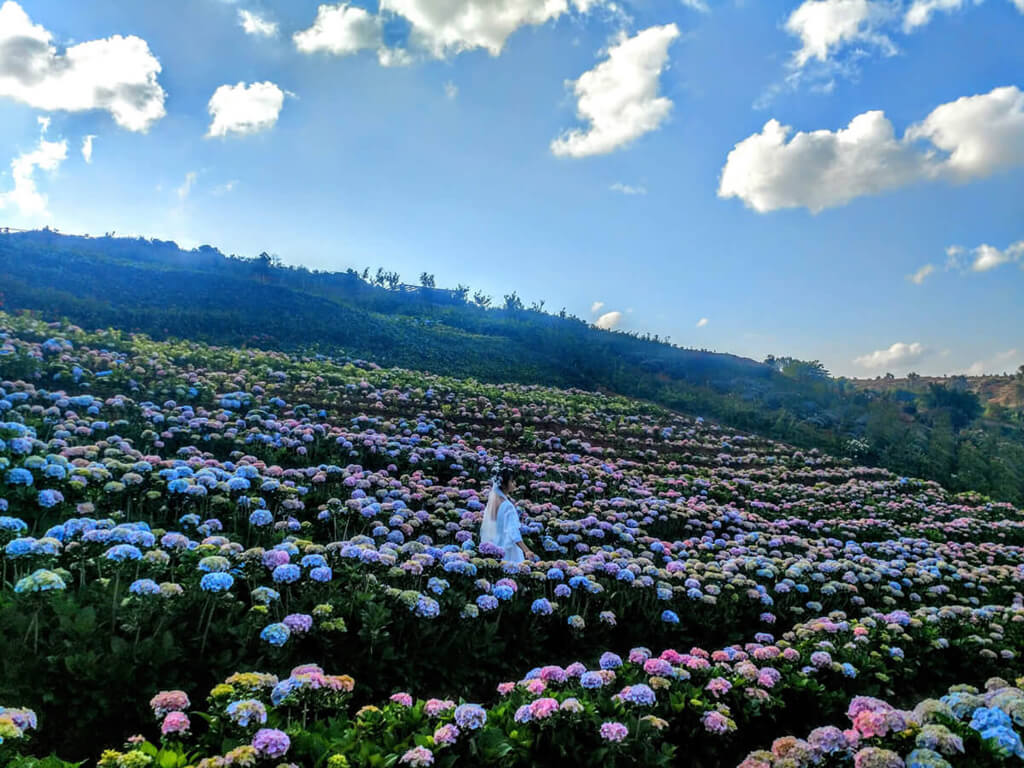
(826, 26)
(702, 322)
(700, 5)
(981, 134)
(256, 25)
(988, 257)
(242, 109)
(451, 91)
(1000, 363)
(341, 30)
(970, 138)
(47, 156)
(443, 27)
(628, 189)
(117, 74)
(87, 148)
(898, 355)
(619, 97)
(608, 320)
(920, 12)
(919, 277)
(596, 307)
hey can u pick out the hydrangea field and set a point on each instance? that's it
(223, 557)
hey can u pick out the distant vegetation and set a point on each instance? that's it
(940, 429)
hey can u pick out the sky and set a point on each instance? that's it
(840, 180)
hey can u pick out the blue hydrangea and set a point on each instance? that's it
(216, 582)
(670, 617)
(321, 574)
(265, 595)
(288, 573)
(12, 524)
(119, 553)
(591, 680)
(487, 602)
(19, 476)
(610, 660)
(20, 547)
(436, 585)
(276, 634)
(541, 606)
(313, 561)
(261, 517)
(427, 607)
(144, 587)
(503, 592)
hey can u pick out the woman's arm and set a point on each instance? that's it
(512, 530)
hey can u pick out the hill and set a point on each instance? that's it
(155, 287)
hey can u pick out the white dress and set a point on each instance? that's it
(506, 532)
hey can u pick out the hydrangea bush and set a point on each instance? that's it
(172, 513)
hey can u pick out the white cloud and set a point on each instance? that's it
(244, 109)
(702, 322)
(619, 97)
(988, 257)
(628, 189)
(700, 5)
(919, 277)
(451, 91)
(443, 27)
(596, 307)
(920, 12)
(256, 25)
(117, 74)
(341, 30)
(87, 148)
(47, 156)
(1001, 363)
(608, 320)
(186, 186)
(826, 26)
(970, 138)
(820, 169)
(899, 354)
(225, 188)
(982, 134)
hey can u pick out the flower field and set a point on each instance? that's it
(230, 557)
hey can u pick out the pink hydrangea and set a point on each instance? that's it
(437, 707)
(717, 723)
(536, 686)
(718, 686)
(542, 708)
(614, 732)
(169, 701)
(446, 734)
(504, 689)
(417, 757)
(401, 698)
(175, 722)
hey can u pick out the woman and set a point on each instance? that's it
(500, 526)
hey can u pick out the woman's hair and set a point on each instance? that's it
(504, 477)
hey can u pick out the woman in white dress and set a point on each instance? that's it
(500, 526)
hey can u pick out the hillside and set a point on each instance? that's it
(154, 287)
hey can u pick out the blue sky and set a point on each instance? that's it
(582, 152)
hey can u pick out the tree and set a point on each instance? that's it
(427, 280)
(1020, 372)
(962, 406)
(481, 299)
(512, 302)
(461, 292)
